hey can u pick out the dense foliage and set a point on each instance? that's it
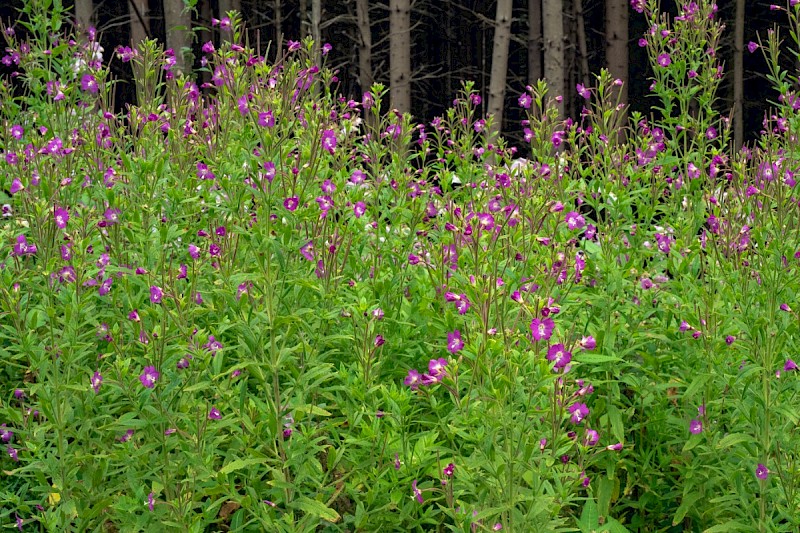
(254, 305)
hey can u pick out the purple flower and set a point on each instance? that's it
(61, 217)
(762, 472)
(436, 371)
(12, 453)
(156, 294)
(359, 209)
(579, 412)
(203, 173)
(542, 329)
(379, 341)
(448, 470)
(413, 379)
(789, 365)
(525, 101)
(111, 216)
(149, 377)
(588, 343)
(5, 434)
(16, 186)
(591, 437)
(213, 345)
(17, 131)
(574, 220)
(266, 119)
(417, 494)
(752, 47)
(583, 91)
(97, 380)
(614, 447)
(664, 60)
(291, 203)
(22, 247)
(307, 250)
(559, 354)
(695, 427)
(89, 84)
(214, 414)
(454, 342)
(329, 141)
(151, 501)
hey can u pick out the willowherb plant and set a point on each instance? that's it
(255, 304)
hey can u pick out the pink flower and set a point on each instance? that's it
(291, 203)
(413, 379)
(149, 377)
(454, 342)
(696, 427)
(579, 412)
(762, 472)
(664, 60)
(156, 294)
(61, 217)
(574, 220)
(559, 354)
(417, 494)
(329, 141)
(525, 101)
(542, 329)
(214, 414)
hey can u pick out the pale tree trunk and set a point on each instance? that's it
(497, 81)
(228, 5)
(278, 26)
(140, 20)
(365, 76)
(553, 36)
(738, 76)
(316, 32)
(84, 9)
(400, 55)
(534, 41)
(580, 28)
(178, 23)
(617, 44)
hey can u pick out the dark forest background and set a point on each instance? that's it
(447, 41)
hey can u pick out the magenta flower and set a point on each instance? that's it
(437, 370)
(89, 84)
(664, 60)
(329, 141)
(417, 494)
(151, 501)
(61, 217)
(559, 354)
(203, 173)
(574, 220)
(214, 414)
(5, 434)
(579, 412)
(266, 119)
(213, 345)
(695, 427)
(111, 216)
(291, 203)
(614, 447)
(149, 377)
(789, 365)
(16, 186)
(588, 343)
(413, 379)
(542, 330)
(454, 342)
(752, 47)
(359, 209)
(156, 294)
(13, 454)
(448, 470)
(583, 91)
(17, 131)
(762, 472)
(97, 380)
(525, 101)
(307, 250)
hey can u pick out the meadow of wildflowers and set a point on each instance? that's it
(252, 304)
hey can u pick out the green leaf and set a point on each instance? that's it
(733, 439)
(238, 464)
(595, 358)
(731, 525)
(315, 508)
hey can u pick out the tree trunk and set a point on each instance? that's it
(140, 20)
(316, 32)
(400, 55)
(553, 34)
(84, 9)
(738, 76)
(305, 26)
(365, 76)
(178, 23)
(534, 41)
(580, 29)
(497, 81)
(278, 27)
(617, 43)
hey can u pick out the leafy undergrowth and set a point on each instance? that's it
(254, 305)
